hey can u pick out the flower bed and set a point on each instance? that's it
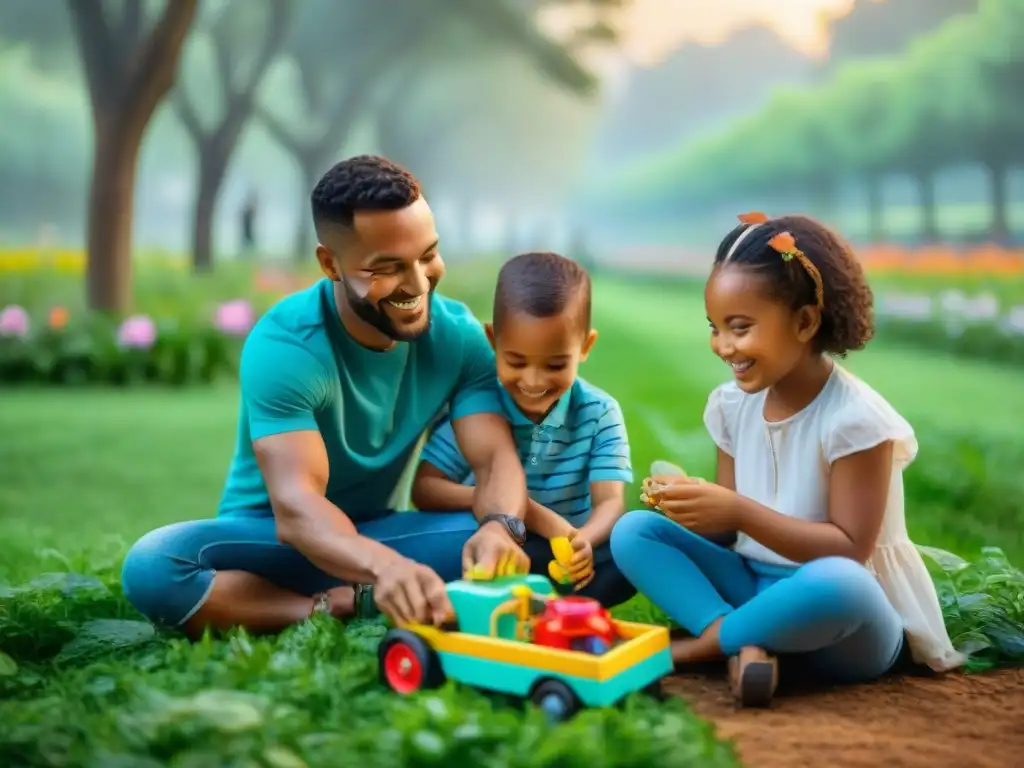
(59, 347)
(985, 260)
(183, 328)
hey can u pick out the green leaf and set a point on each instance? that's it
(8, 666)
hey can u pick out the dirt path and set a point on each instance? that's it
(959, 720)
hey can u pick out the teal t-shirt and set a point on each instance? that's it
(301, 370)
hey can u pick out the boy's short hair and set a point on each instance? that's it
(542, 284)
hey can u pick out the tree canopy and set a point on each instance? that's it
(955, 97)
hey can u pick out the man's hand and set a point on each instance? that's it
(408, 592)
(581, 567)
(491, 552)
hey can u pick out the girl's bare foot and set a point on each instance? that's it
(753, 676)
(690, 650)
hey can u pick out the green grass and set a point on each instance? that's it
(83, 473)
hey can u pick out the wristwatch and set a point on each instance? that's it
(365, 604)
(515, 527)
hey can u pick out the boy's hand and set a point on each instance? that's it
(581, 567)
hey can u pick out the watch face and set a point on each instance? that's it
(518, 527)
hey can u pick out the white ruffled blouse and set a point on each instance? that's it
(785, 466)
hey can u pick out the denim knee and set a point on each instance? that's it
(845, 587)
(632, 528)
(159, 582)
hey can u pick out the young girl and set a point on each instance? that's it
(810, 463)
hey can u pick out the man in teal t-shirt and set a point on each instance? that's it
(338, 384)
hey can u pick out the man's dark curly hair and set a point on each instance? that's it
(542, 284)
(847, 320)
(361, 183)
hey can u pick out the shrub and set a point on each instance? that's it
(978, 327)
(89, 348)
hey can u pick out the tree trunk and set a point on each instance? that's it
(108, 272)
(929, 210)
(214, 147)
(876, 211)
(999, 229)
(129, 73)
(212, 167)
(310, 167)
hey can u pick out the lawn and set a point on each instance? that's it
(82, 473)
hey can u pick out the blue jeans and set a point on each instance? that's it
(830, 612)
(168, 573)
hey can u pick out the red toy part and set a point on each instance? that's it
(402, 668)
(575, 623)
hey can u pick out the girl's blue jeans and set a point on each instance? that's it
(831, 612)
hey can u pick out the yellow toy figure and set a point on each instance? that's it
(525, 604)
(558, 568)
(503, 568)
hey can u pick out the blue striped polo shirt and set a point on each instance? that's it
(582, 441)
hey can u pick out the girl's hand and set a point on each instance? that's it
(700, 506)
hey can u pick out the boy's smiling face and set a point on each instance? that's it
(538, 357)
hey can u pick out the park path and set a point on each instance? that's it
(974, 721)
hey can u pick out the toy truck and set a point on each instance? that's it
(516, 635)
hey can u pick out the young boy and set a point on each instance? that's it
(571, 435)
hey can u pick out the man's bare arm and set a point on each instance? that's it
(295, 469)
(485, 440)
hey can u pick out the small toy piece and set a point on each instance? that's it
(575, 623)
(558, 568)
(515, 635)
(652, 488)
(503, 568)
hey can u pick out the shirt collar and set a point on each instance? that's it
(555, 418)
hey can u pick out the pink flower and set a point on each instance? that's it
(137, 332)
(235, 318)
(14, 322)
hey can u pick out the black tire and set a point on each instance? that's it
(432, 675)
(556, 699)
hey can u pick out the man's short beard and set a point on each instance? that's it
(375, 316)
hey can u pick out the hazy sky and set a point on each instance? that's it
(654, 28)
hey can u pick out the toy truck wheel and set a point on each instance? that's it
(555, 699)
(655, 691)
(407, 664)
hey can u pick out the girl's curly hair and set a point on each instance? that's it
(847, 317)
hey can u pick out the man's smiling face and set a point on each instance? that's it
(388, 264)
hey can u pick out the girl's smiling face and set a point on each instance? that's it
(759, 337)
